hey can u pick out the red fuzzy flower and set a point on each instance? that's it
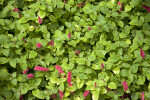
(39, 68)
(51, 43)
(61, 94)
(120, 4)
(69, 35)
(77, 52)
(89, 28)
(80, 5)
(142, 96)
(69, 78)
(59, 69)
(102, 66)
(125, 85)
(39, 20)
(53, 96)
(142, 53)
(38, 45)
(21, 97)
(72, 93)
(95, 84)
(86, 93)
(25, 71)
(146, 7)
(108, 88)
(16, 9)
(30, 76)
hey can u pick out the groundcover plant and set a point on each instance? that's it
(74, 49)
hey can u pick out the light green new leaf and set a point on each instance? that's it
(32, 54)
(127, 8)
(39, 94)
(112, 85)
(81, 61)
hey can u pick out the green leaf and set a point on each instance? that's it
(72, 42)
(126, 30)
(120, 23)
(4, 73)
(12, 62)
(100, 53)
(39, 94)
(88, 9)
(14, 81)
(43, 28)
(81, 61)
(134, 68)
(42, 14)
(1, 1)
(127, 8)
(134, 3)
(82, 76)
(3, 60)
(22, 20)
(116, 70)
(95, 95)
(96, 67)
(6, 52)
(32, 54)
(54, 80)
(61, 87)
(112, 85)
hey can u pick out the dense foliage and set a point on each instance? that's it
(74, 49)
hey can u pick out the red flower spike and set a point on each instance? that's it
(77, 52)
(51, 43)
(21, 97)
(125, 85)
(89, 28)
(19, 15)
(14, 42)
(69, 78)
(80, 5)
(142, 96)
(69, 35)
(102, 66)
(142, 53)
(108, 88)
(25, 71)
(86, 93)
(72, 93)
(16, 9)
(53, 96)
(39, 20)
(59, 69)
(120, 4)
(95, 84)
(61, 94)
(38, 45)
(146, 7)
(30, 76)
(124, 96)
(39, 68)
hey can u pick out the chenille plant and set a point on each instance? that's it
(74, 49)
